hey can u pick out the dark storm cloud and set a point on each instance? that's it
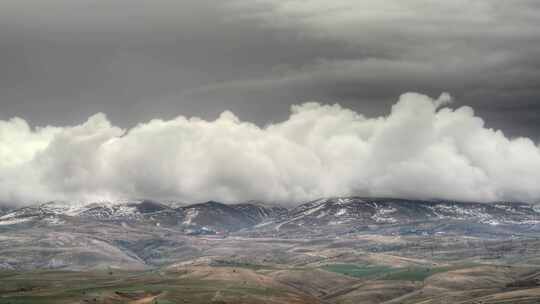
(65, 60)
(485, 52)
(133, 60)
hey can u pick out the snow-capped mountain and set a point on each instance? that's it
(209, 217)
(137, 233)
(66, 210)
(221, 217)
(124, 211)
(329, 215)
(260, 212)
(355, 213)
(51, 211)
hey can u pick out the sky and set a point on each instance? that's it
(114, 69)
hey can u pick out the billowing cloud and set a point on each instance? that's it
(422, 149)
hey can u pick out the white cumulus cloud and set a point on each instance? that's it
(422, 149)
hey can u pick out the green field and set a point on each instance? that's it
(388, 273)
(57, 287)
(359, 271)
(247, 265)
(233, 282)
(414, 273)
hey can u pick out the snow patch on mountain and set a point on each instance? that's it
(382, 215)
(341, 212)
(191, 214)
(313, 210)
(13, 221)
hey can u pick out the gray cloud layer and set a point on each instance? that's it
(422, 149)
(134, 60)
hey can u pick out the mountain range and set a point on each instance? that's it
(146, 233)
(328, 216)
(330, 250)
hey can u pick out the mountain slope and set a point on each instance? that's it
(147, 233)
(209, 217)
(221, 217)
(330, 215)
(346, 214)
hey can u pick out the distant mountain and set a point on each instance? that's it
(220, 217)
(353, 214)
(138, 234)
(320, 217)
(123, 211)
(216, 216)
(204, 218)
(260, 212)
(62, 211)
(4, 210)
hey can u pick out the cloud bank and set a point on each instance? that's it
(422, 149)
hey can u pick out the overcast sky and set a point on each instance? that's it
(63, 61)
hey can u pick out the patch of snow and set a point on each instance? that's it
(387, 210)
(457, 212)
(322, 214)
(264, 224)
(344, 201)
(126, 211)
(54, 221)
(14, 221)
(492, 222)
(506, 208)
(190, 216)
(383, 219)
(289, 221)
(523, 222)
(335, 222)
(341, 212)
(56, 263)
(313, 210)
(382, 215)
(65, 208)
(11, 215)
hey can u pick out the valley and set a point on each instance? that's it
(340, 250)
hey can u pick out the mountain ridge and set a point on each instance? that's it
(146, 233)
(334, 212)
